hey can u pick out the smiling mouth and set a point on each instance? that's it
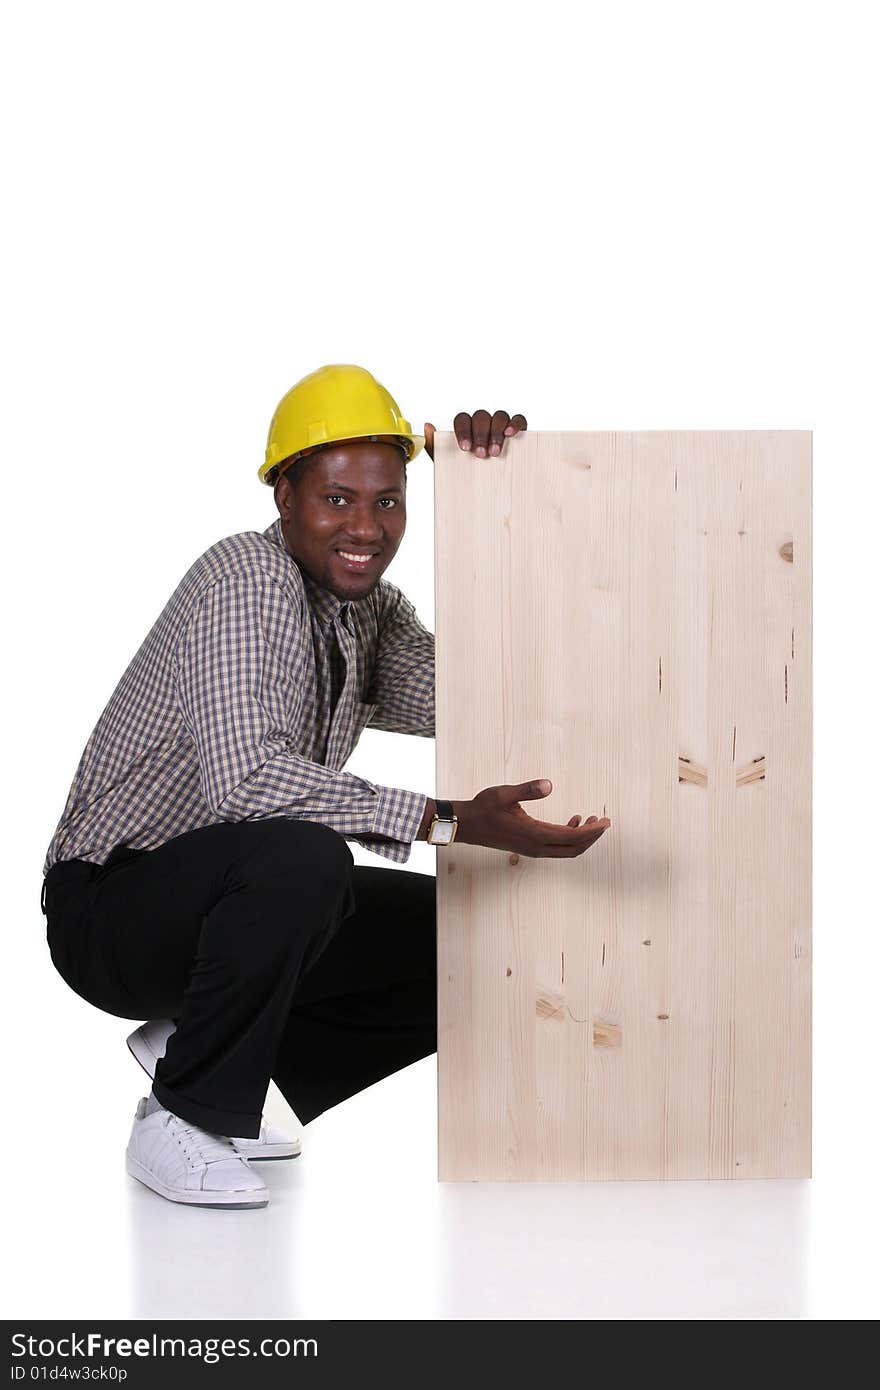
(356, 563)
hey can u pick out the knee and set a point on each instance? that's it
(281, 849)
(322, 850)
(294, 874)
(281, 843)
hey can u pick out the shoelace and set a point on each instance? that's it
(199, 1143)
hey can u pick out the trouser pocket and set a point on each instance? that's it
(120, 855)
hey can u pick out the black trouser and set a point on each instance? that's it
(275, 954)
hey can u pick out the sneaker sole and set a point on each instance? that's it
(233, 1201)
(142, 1054)
(263, 1156)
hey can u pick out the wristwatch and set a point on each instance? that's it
(442, 829)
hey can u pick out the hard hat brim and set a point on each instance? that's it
(414, 442)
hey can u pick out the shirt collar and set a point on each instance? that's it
(324, 604)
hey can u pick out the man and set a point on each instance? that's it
(199, 876)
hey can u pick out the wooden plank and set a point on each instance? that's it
(628, 615)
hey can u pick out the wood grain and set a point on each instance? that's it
(628, 615)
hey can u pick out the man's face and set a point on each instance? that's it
(352, 499)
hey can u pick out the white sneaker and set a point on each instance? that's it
(147, 1044)
(187, 1164)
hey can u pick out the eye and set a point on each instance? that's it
(392, 500)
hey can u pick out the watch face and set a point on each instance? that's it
(441, 833)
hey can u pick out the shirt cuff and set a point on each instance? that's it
(398, 815)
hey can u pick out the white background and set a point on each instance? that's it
(607, 216)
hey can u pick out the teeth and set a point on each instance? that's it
(360, 559)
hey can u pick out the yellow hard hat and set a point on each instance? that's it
(339, 402)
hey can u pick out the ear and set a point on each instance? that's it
(283, 496)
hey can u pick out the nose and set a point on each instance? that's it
(364, 529)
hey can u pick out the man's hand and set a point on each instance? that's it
(482, 433)
(494, 818)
